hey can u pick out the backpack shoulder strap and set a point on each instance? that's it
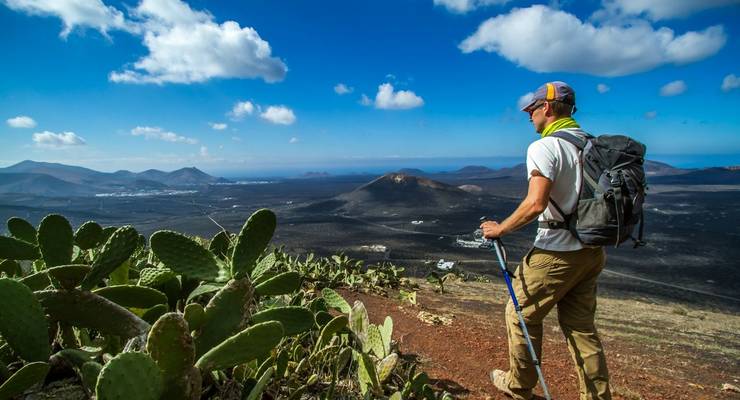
(572, 139)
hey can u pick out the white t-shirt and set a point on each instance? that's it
(559, 161)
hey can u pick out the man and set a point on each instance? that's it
(558, 270)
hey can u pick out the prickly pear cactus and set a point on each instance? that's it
(56, 240)
(130, 376)
(366, 373)
(295, 319)
(194, 314)
(37, 281)
(119, 248)
(69, 276)
(330, 329)
(184, 255)
(88, 310)
(256, 392)
(285, 283)
(26, 377)
(11, 268)
(374, 342)
(89, 235)
(386, 332)
(90, 372)
(265, 264)
(132, 296)
(243, 347)
(359, 322)
(155, 276)
(226, 314)
(22, 229)
(220, 244)
(171, 346)
(335, 300)
(252, 241)
(386, 366)
(22, 321)
(16, 249)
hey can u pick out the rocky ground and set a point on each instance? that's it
(655, 350)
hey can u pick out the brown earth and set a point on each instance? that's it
(654, 351)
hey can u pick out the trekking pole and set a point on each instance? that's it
(498, 246)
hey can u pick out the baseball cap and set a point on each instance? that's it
(553, 91)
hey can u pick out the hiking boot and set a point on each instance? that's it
(498, 377)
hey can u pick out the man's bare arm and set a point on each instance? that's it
(538, 195)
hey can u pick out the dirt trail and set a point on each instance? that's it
(653, 351)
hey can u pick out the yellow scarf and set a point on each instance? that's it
(562, 123)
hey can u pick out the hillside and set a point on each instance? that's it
(59, 180)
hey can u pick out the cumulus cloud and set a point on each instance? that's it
(218, 126)
(581, 47)
(293, 140)
(241, 109)
(341, 89)
(280, 115)
(75, 13)
(158, 133)
(651, 114)
(658, 9)
(388, 99)
(673, 88)
(365, 101)
(464, 6)
(730, 82)
(188, 46)
(21, 121)
(57, 140)
(524, 99)
(602, 88)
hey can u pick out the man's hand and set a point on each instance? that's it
(491, 230)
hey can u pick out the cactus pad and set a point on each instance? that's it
(226, 314)
(69, 276)
(89, 235)
(194, 314)
(22, 321)
(37, 281)
(155, 276)
(252, 241)
(119, 247)
(132, 296)
(90, 372)
(26, 377)
(265, 264)
(243, 347)
(171, 347)
(130, 376)
(295, 319)
(184, 255)
(152, 314)
(374, 341)
(16, 249)
(330, 329)
(386, 332)
(220, 244)
(386, 366)
(56, 240)
(285, 283)
(88, 310)
(22, 229)
(10, 267)
(335, 300)
(359, 322)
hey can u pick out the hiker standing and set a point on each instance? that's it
(559, 269)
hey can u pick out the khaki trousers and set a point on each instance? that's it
(566, 279)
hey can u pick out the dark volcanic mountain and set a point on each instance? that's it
(708, 176)
(405, 190)
(51, 179)
(656, 168)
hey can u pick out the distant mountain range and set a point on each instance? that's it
(59, 180)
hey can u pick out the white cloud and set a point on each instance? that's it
(241, 109)
(236, 138)
(581, 47)
(293, 140)
(218, 126)
(659, 9)
(365, 101)
(673, 88)
(21, 121)
(463, 6)
(524, 100)
(204, 152)
(57, 140)
(160, 134)
(602, 88)
(388, 99)
(341, 89)
(730, 82)
(187, 46)
(280, 115)
(75, 13)
(651, 114)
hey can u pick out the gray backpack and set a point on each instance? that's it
(612, 192)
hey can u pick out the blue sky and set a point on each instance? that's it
(242, 87)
